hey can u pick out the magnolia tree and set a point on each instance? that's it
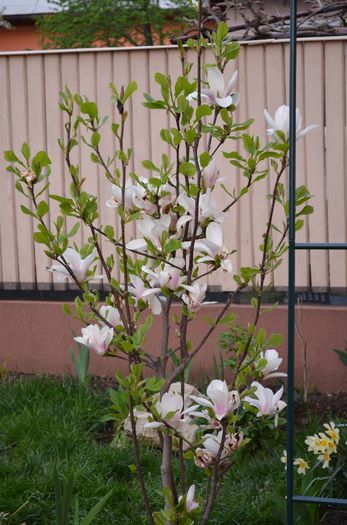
(180, 241)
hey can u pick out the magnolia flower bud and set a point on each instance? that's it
(233, 441)
(29, 176)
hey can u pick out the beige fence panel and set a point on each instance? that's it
(30, 84)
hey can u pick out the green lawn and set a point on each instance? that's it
(46, 423)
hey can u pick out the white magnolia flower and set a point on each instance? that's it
(169, 276)
(152, 229)
(147, 295)
(281, 123)
(191, 503)
(134, 197)
(129, 192)
(267, 402)
(96, 338)
(273, 362)
(217, 93)
(213, 246)
(219, 399)
(207, 209)
(170, 409)
(78, 265)
(211, 174)
(111, 314)
(195, 298)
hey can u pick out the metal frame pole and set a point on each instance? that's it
(291, 259)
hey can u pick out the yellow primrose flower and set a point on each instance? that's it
(331, 448)
(302, 465)
(332, 431)
(314, 443)
(324, 440)
(284, 458)
(325, 459)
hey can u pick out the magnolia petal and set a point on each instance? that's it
(137, 244)
(155, 304)
(304, 132)
(224, 102)
(202, 401)
(215, 79)
(269, 120)
(232, 82)
(152, 424)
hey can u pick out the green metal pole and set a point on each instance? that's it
(291, 260)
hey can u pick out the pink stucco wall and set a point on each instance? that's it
(36, 336)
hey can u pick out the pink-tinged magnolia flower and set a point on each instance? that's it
(211, 174)
(273, 362)
(220, 400)
(169, 409)
(233, 441)
(167, 275)
(213, 246)
(203, 458)
(195, 298)
(78, 265)
(281, 123)
(96, 338)
(139, 291)
(266, 401)
(153, 230)
(219, 94)
(191, 503)
(212, 443)
(111, 314)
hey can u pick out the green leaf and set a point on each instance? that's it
(187, 168)
(173, 245)
(222, 31)
(42, 209)
(299, 224)
(41, 238)
(96, 139)
(205, 159)
(74, 230)
(203, 111)
(166, 136)
(275, 340)
(109, 232)
(9, 156)
(41, 159)
(115, 128)
(130, 90)
(342, 355)
(27, 211)
(90, 109)
(149, 165)
(96, 509)
(154, 384)
(25, 149)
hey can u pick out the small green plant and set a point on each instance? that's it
(4, 371)
(342, 354)
(81, 363)
(63, 500)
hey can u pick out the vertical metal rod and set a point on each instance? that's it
(291, 260)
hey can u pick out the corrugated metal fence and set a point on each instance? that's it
(29, 88)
